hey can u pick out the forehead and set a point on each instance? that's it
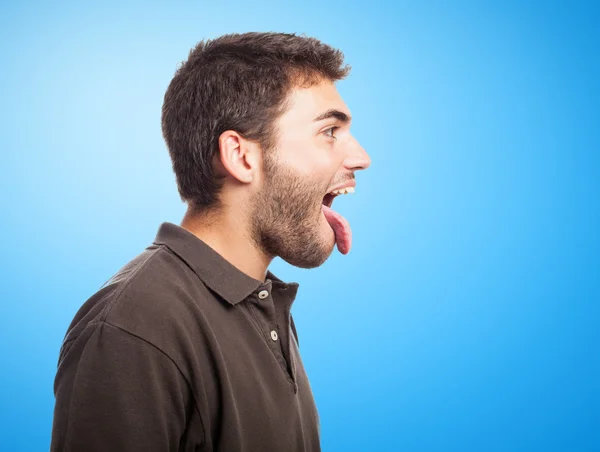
(306, 104)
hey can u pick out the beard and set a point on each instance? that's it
(286, 218)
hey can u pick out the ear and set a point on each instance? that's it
(238, 156)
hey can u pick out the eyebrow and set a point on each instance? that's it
(337, 114)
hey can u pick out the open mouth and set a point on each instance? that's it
(340, 226)
(329, 197)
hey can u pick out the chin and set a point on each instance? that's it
(310, 255)
(306, 263)
(307, 245)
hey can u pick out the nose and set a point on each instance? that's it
(357, 158)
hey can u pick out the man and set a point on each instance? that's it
(191, 345)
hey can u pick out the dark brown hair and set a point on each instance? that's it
(235, 82)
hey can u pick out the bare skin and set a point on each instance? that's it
(275, 210)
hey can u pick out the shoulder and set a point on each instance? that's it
(155, 297)
(159, 299)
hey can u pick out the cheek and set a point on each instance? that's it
(314, 158)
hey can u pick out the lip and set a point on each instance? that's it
(348, 184)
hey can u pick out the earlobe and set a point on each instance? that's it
(236, 156)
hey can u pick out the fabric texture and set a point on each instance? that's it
(181, 351)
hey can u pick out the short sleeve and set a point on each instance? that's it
(116, 392)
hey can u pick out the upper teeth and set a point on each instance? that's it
(343, 191)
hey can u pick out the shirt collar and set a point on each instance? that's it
(214, 270)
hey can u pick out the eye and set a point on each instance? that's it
(329, 132)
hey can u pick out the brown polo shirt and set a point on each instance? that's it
(181, 351)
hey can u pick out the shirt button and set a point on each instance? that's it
(263, 294)
(274, 335)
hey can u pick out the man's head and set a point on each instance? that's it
(254, 124)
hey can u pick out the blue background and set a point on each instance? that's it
(465, 318)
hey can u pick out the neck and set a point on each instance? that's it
(227, 235)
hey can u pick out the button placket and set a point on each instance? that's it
(263, 294)
(263, 312)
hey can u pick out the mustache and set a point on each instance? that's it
(347, 178)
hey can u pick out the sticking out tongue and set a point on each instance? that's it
(341, 228)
